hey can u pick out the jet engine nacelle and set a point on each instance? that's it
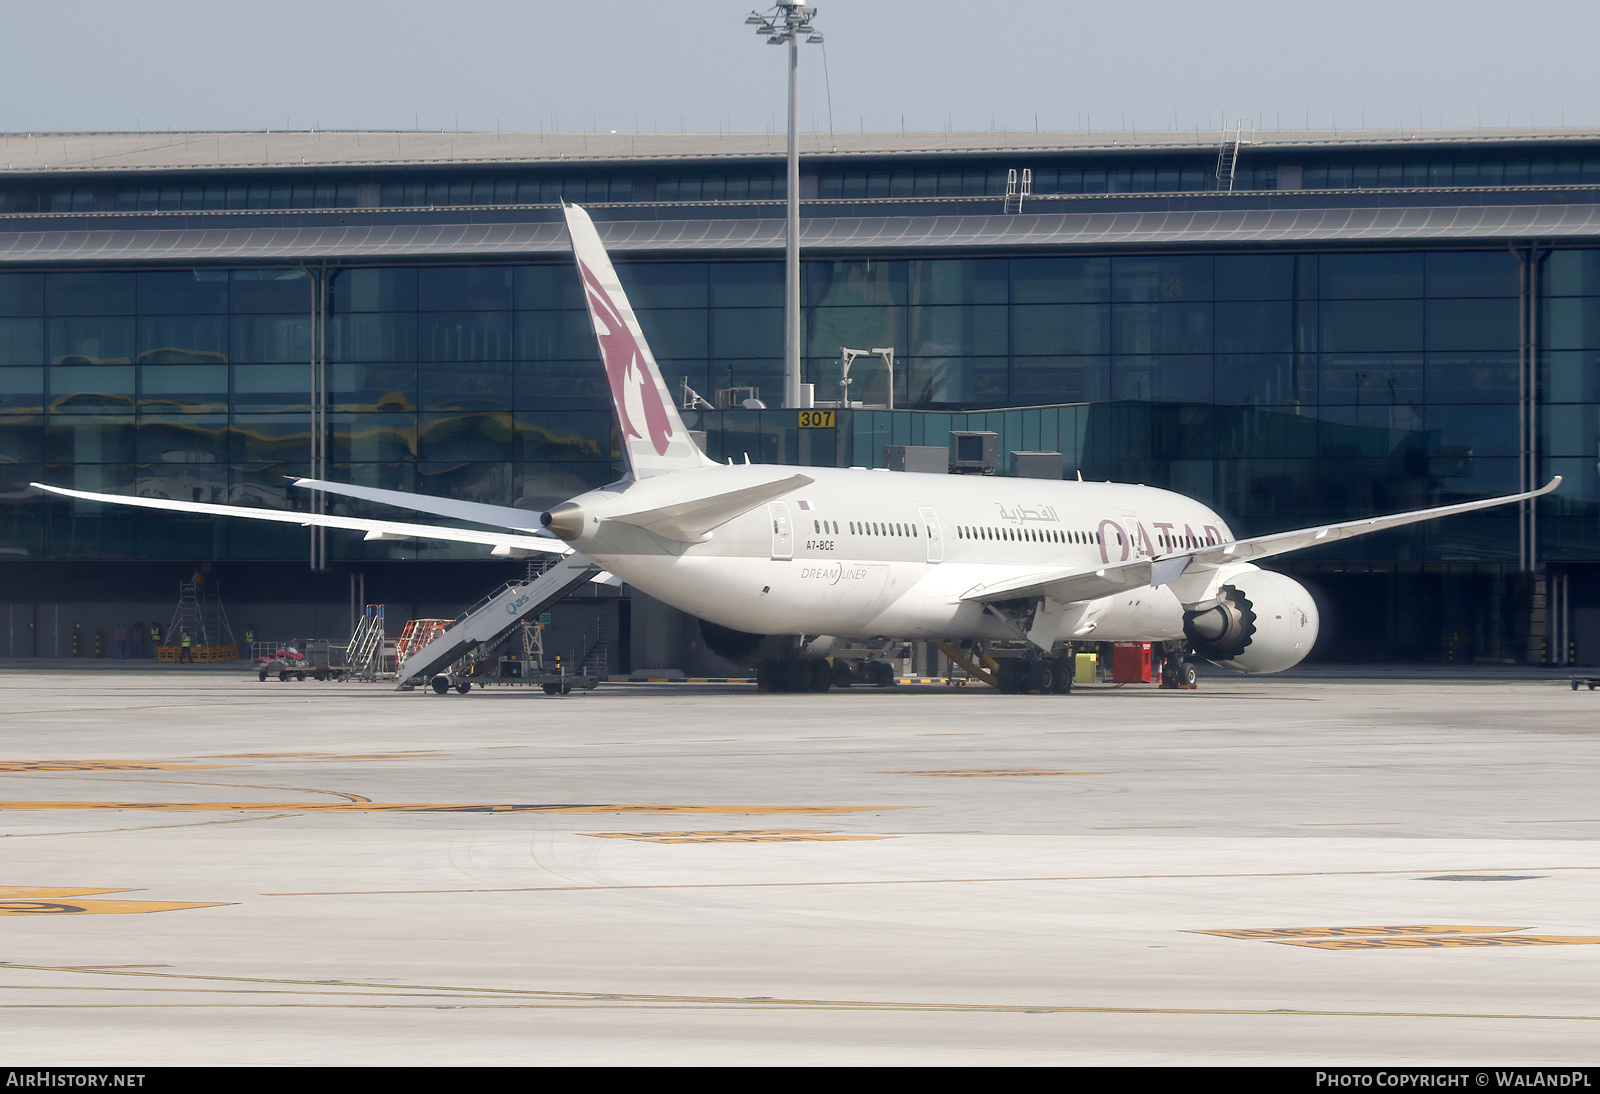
(1262, 622)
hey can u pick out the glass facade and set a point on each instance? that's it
(1282, 388)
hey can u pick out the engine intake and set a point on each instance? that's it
(1262, 622)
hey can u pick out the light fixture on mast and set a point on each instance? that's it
(784, 25)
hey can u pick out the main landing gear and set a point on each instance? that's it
(1042, 676)
(820, 675)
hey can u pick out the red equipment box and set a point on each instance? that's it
(1130, 663)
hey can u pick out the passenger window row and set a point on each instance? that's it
(1027, 535)
(883, 528)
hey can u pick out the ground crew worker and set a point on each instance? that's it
(155, 637)
(184, 654)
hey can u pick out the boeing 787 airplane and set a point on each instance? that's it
(784, 564)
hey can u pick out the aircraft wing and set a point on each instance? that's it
(1245, 550)
(503, 542)
(1068, 586)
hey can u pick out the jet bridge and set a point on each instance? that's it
(494, 617)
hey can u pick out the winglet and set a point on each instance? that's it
(653, 436)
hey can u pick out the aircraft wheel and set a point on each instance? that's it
(796, 676)
(843, 677)
(1187, 674)
(880, 674)
(463, 687)
(821, 675)
(1064, 670)
(440, 684)
(769, 676)
(1013, 676)
(1043, 673)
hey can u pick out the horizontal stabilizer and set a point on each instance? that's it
(690, 521)
(497, 516)
(375, 529)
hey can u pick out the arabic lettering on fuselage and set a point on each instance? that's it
(1024, 514)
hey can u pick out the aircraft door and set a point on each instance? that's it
(782, 531)
(930, 524)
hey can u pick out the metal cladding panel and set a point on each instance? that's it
(1027, 231)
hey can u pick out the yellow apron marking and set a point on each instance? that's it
(101, 765)
(395, 807)
(51, 900)
(1413, 942)
(984, 773)
(763, 835)
(1273, 934)
(93, 907)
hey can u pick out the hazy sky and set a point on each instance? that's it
(694, 65)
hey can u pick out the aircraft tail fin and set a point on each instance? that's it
(653, 436)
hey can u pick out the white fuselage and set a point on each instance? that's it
(881, 554)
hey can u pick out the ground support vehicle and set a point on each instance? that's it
(298, 659)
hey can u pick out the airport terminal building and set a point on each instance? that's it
(1293, 327)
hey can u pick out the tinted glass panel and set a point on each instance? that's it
(1472, 324)
(1162, 278)
(748, 284)
(1255, 277)
(21, 341)
(89, 293)
(190, 388)
(258, 291)
(548, 287)
(556, 335)
(464, 336)
(373, 290)
(464, 437)
(1371, 325)
(957, 281)
(183, 292)
(943, 331)
(465, 288)
(1060, 280)
(662, 284)
(473, 385)
(183, 339)
(1473, 273)
(272, 387)
(1060, 328)
(1262, 327)
(1371, 276)
(372, 337)
(21, 294)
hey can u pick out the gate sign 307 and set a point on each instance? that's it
(816, 419)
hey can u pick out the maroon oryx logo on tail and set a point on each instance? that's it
(625, 367)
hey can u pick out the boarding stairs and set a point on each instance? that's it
(492, 618)
(365, 654)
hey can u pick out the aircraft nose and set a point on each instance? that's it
(565, 520)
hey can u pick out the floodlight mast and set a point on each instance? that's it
(784, 25)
